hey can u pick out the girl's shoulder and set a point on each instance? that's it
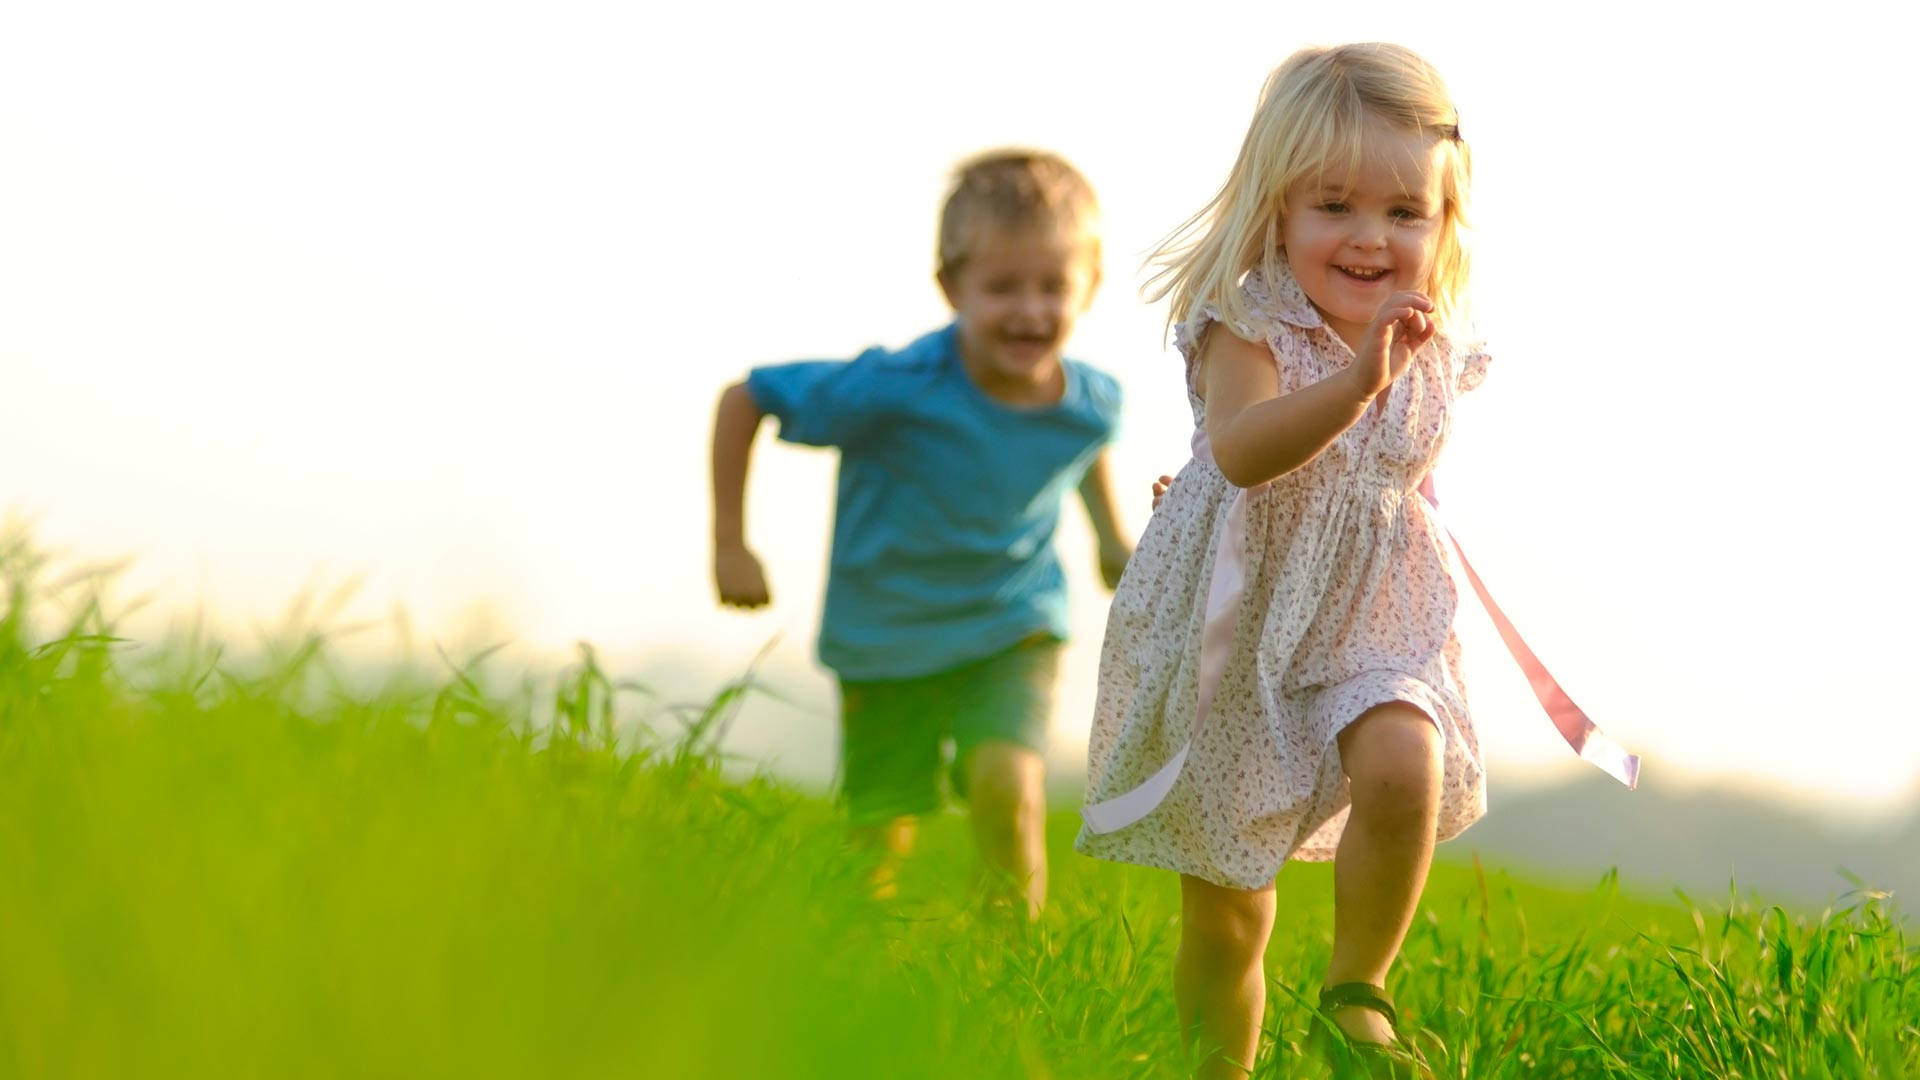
(1268, 303)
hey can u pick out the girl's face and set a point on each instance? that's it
(1355, 238)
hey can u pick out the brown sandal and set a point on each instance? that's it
(1351, 1058)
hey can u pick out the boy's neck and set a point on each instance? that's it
(1047, 386)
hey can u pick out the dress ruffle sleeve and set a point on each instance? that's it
(1470, 362)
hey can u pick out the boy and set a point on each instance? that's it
(945, 604)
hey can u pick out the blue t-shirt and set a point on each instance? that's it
(947, 503)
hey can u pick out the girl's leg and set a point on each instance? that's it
(1219, 986)
(1006, 793)
(1393, 760)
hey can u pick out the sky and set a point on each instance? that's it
(437, 299)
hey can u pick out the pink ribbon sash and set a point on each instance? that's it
(1582, 734)
(1224, 590)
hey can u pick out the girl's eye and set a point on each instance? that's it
(1334, 207)
(1408, 214)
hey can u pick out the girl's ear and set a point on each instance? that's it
(944, 278)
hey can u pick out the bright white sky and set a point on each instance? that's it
(442, 294)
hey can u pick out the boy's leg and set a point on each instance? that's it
(890, 761)
(1006, 793)
(888, 842)
(1001, 708)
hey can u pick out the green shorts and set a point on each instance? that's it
(896, 734)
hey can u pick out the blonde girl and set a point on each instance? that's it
(1280, 676)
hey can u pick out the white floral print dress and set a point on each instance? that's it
(1346, 600)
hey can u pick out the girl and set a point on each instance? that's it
(1280, 676)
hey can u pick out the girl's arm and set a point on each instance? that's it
(736, 570)
(1258, 433)
(1096, 490)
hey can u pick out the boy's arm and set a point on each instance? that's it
(1097, 492)
(736, 571)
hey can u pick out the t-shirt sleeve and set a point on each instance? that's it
(1103, 393)
(818, 402)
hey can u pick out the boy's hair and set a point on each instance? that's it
(1014, 189)
(1311, 119)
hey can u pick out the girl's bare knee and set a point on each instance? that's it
(1394, 760)
(1224, 926)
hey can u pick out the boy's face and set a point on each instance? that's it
(1017, 295)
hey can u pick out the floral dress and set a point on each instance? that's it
(1275, 616)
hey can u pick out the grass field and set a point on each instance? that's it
(216, 868)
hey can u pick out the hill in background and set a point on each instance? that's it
(1697, 839)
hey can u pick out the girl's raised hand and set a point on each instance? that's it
(1402, 327)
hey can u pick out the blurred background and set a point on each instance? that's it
(436, 299)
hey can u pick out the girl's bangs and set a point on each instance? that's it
(1331, 149)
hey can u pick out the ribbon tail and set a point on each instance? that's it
(1224, 589)
(1123, 810)
(1582, 734)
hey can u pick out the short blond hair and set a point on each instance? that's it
(1014, 189)
(1311, 120)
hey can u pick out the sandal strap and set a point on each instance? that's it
(1362, 995)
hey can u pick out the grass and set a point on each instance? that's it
(217, 867)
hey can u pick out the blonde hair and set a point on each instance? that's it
(1312, 117)
(1010, 189)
